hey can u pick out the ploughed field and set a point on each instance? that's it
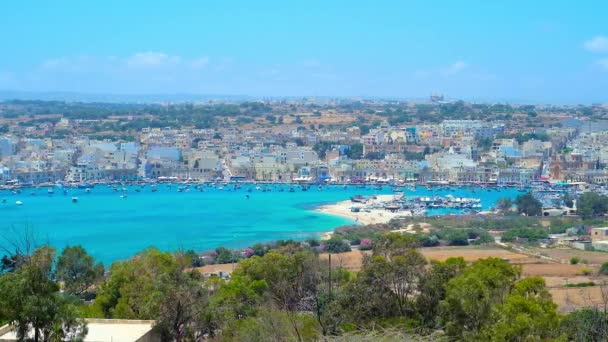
(556, 275)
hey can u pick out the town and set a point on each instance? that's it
(337, 141)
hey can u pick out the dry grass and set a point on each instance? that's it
(556, 270)
(214, 269)
(351, 261)
(560, 281)
(565, 254)
(569, 299)
(470, 253)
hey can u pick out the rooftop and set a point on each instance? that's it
(102, 330)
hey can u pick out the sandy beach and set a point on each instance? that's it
(363, 217)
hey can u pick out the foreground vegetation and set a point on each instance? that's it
(289, 294)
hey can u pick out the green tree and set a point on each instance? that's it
(568, 202)
(504, 204)
(77, 269)
(432, 289)
(355, 151)
(591, 204)
(528, 205)
(30, 300)
(527, 314)
(336, 245)
(471, 296)
(386, 285)
(292, 279)
(226, 256)
(586, 325)
(184, 313)
(134, 288)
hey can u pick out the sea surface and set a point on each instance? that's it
(113, 228)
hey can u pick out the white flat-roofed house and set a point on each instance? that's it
(104, 330)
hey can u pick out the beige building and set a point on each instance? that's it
(105, 330)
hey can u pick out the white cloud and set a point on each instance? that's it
(152, 59)
(139, 60)
(454, 68)
(603, 63)
(446, 71)
(199, 63)
(311, 63)
(597, 44)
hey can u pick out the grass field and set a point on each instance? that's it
(565, 254)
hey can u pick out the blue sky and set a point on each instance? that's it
(522, 51)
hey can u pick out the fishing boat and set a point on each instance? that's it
(74, 199)
(123, 196)
(358, 199)
(19, 203)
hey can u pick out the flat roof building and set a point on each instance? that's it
(105, 330)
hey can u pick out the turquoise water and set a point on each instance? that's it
(113, 228)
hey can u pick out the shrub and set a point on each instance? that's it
(574, 261)
(584, 284)
(365, 245)
(604, 269)
(337, 245)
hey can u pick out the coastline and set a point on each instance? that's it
(372, 216)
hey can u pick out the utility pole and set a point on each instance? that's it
(330, 276)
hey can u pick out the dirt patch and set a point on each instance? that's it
(570, 299)
(470, 253)
(556, 270)
(562, 281)
(565, 254)
(351, 261)
(215, 269)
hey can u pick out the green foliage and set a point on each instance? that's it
(586, 325)
(471, 296)
(77, 269)
(532, 234)
(432, 289)
(583, 284)
(591, 204)
(528, 205)
(575, 260)
(184, 312)
(527, 314)
(133, 289)
(504, 204)
(30, 300)
(604, 269)
(337, 245)
(355, 151)
(226, 256)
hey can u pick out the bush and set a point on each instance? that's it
(604, 269)
(574, 261)
(586, 271)
(337, 245)
(584, 284)
(365, 245)
(532, 234)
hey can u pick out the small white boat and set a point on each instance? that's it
(123, 196)
(19, 203)
(74, 199)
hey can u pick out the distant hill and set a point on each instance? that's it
(116, 98)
